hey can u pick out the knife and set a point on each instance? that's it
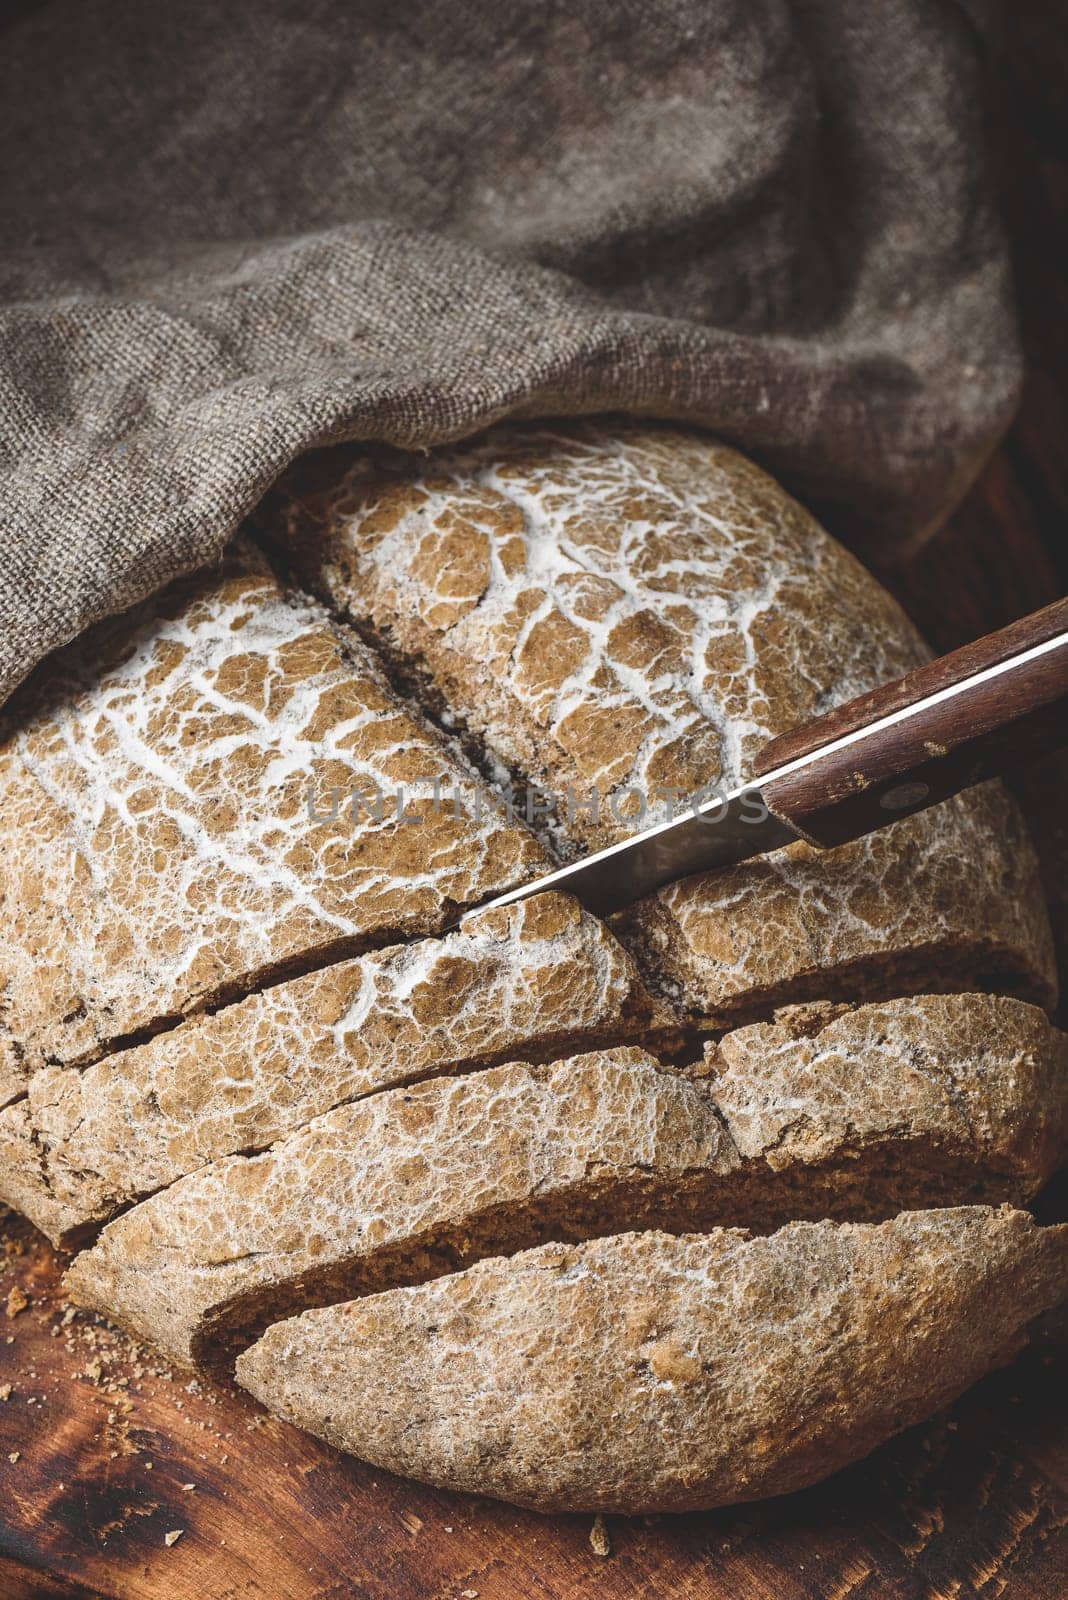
(977, 713)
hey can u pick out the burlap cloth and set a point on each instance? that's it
(235, 229)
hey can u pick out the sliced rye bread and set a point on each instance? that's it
(930, 1100)
(629, 608)
(528, 980)
(154, 821)
(646, 1372)
(518, 607)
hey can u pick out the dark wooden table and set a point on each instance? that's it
(103, 1454)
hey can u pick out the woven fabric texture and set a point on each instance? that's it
(237, 231)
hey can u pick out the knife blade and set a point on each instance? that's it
(888, 754)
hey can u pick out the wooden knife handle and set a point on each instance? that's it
(977, 713)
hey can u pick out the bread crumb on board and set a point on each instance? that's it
(17, 1300)
(600, 1543)
(173, 1537)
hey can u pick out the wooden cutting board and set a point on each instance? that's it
(120, 1479)
(115, 1454)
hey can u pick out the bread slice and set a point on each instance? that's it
(969, 1075)
(896, 913)
(535, 978)
(402, 1184)
(645, 1372)
(627, 609)
(159, 844)
(885, 1108)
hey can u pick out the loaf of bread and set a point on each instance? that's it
(697, 1205)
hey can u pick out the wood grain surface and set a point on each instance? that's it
(99, 1443)
(973, 1503)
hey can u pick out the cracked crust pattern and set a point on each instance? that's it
(966, 1072)
(648, 1373)
(621, 606)
(614, 608)
(391, 1180)
(903, 909)
(531, 976)
(881, 1106)
(155, 832)
(634, 608)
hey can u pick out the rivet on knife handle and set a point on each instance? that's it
(978, 713)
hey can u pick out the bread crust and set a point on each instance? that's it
(158, 844)
(646, 1372)
(624, 606)
(532, 977)
(931, 1100)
